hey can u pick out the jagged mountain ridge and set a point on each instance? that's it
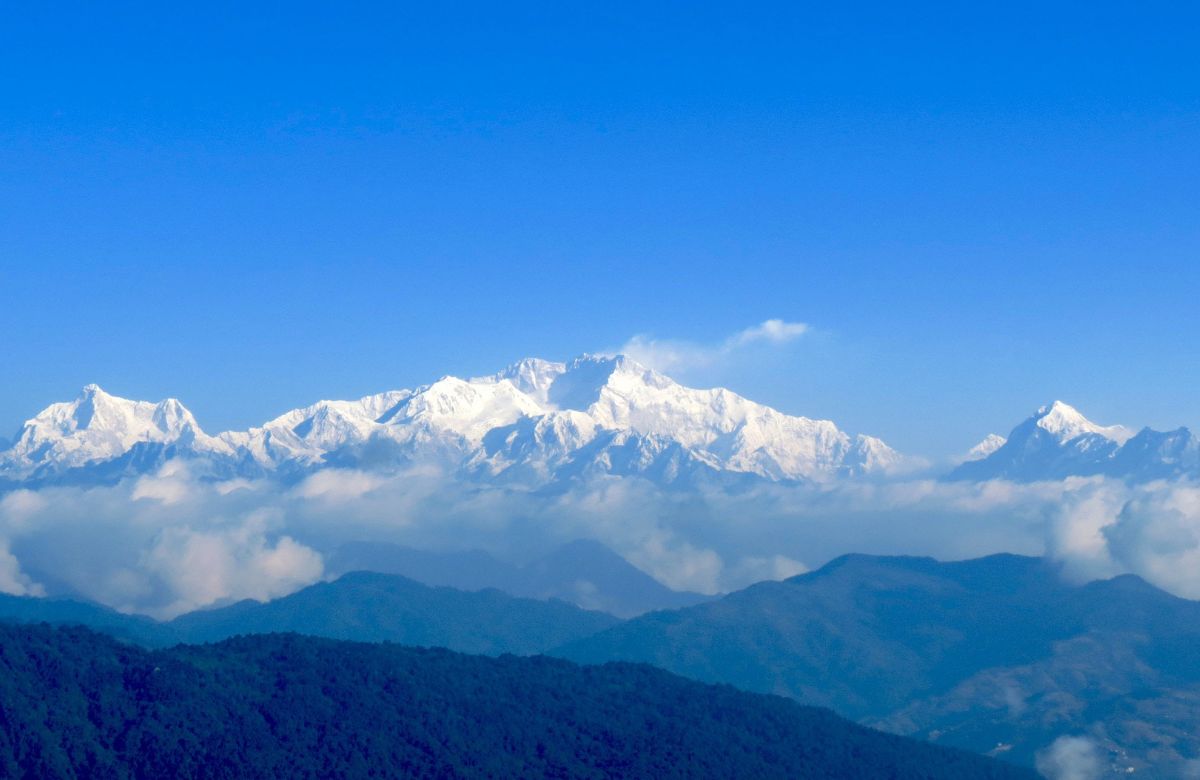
(533, 423)
(1059, 442)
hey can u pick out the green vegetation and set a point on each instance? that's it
(74, 704)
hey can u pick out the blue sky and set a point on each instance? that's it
(976, 210)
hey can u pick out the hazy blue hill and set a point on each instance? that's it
(975, 653)
(584, 572)
(860, 634)
(372, 607)
(591, 575)
(77, 704)
(133, 628)
(363, 606)
(465, 570)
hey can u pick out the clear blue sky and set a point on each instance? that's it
(977, 207)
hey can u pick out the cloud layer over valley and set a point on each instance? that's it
(171, 542)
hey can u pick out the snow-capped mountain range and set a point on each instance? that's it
(1059, 442)
(535, 423)
(539, 423)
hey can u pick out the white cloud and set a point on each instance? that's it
(20, 505)
(669, 355)
(158, 545)
(168, 486)
(209, 566)
(1157, 535)
(1070, 758)
(186, 543)
(338, 484)
(1076, 533)
(773, 331)
(752, 569)
(12, 580)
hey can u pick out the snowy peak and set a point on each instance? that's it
(990, 444)
(532, 376)
(604, 408)
(467, 408)
(97, 412)
(97, 426)
(1159, 455)
(1058, 442)
(535, 422)
(584, 380)
(1064, 422)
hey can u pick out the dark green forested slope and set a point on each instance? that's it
(78, 704)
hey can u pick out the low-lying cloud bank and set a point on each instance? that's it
(170, 543)
(1070, 758)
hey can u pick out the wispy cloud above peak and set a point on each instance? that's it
(668, 355)
(775, 331)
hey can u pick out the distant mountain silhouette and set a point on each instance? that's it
(65, 612)
(995, 653)
(1059, 442)
(373, 607)
(363, 606)
(583, 572)
(78, 704)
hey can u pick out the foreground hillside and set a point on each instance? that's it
(996, 655)
(79, 704)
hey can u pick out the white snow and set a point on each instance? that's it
(96, 426)
(533, 418)
(990, 444)
(1065, 423)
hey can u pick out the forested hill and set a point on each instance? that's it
(77, 704)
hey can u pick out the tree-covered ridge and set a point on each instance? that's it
(76, 704)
